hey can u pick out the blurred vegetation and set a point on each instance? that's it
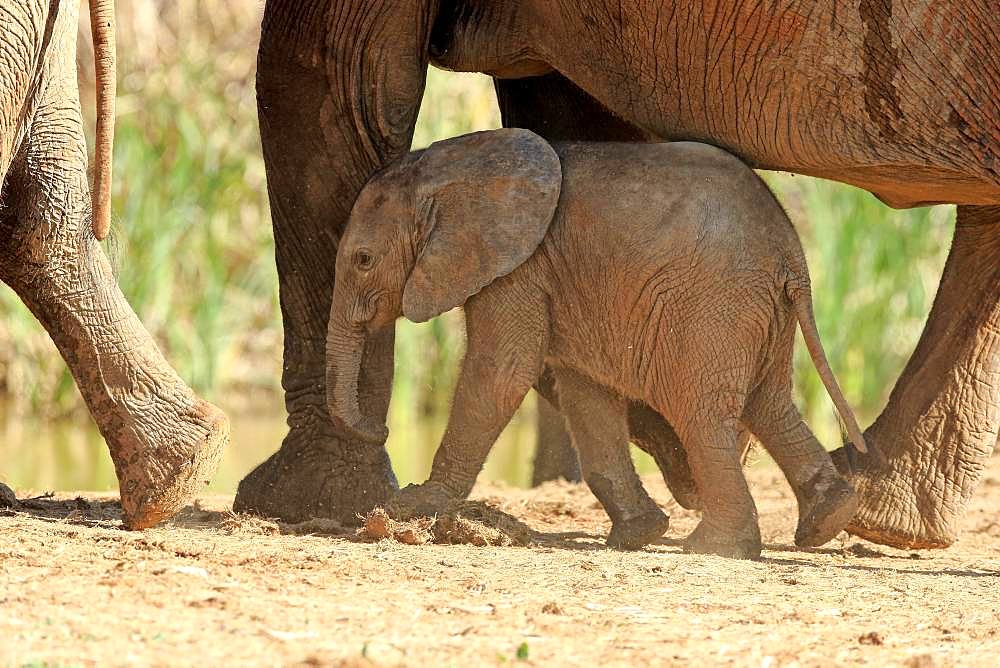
(194, 250)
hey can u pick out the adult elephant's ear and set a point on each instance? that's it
(483, 203)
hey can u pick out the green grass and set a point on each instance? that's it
(874, 272)
(194, 250)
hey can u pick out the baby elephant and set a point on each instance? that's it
(661, 273)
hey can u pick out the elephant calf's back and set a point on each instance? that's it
(647, 205)
(662, 245)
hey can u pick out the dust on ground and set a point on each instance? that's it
(214, 588)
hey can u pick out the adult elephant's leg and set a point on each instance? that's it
(164, 440)
(555, 108)
(941, 422)
(652, 434)
(555, 457)
(338, 88)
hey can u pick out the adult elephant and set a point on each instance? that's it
(897, 96)
(164, 440)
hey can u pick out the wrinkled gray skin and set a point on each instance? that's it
(164, 440)
(667, 274)
(555, 457)
(900, 98)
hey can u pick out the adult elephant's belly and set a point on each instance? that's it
(901, 100)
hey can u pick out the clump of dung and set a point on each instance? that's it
(465, 523)
(377, 525)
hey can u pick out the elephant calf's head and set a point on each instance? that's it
(427, 233)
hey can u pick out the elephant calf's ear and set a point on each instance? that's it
(484, 203)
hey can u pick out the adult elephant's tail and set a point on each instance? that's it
(102, 26)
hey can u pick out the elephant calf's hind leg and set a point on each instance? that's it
(826, 501)
(596, 418)
(729, 516)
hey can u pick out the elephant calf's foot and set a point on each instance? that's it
(637, 532)
(157, 479)
(826, 506)
(423, 500)
(709, 539)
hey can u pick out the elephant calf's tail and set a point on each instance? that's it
(102, 28)
(798, 292)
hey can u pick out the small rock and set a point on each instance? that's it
(196, 571)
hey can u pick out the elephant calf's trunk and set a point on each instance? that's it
(345, 348)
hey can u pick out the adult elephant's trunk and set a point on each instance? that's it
(345, 349)
(102, 27)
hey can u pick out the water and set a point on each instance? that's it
(72, 455)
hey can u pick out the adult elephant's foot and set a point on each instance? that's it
(164, 456)
(7, 497)
(916, 500)
(424, 500)
(709, 538)
(164, 440)
(941, 421)
(316, 473)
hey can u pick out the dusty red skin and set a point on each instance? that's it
(668, 275)
(856, 93)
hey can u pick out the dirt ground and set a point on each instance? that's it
(217, 589)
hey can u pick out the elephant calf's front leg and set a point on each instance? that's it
(652, 434)
(505, 344)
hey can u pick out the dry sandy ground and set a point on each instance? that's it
(213, 589)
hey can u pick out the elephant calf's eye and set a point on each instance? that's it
(364, 260)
